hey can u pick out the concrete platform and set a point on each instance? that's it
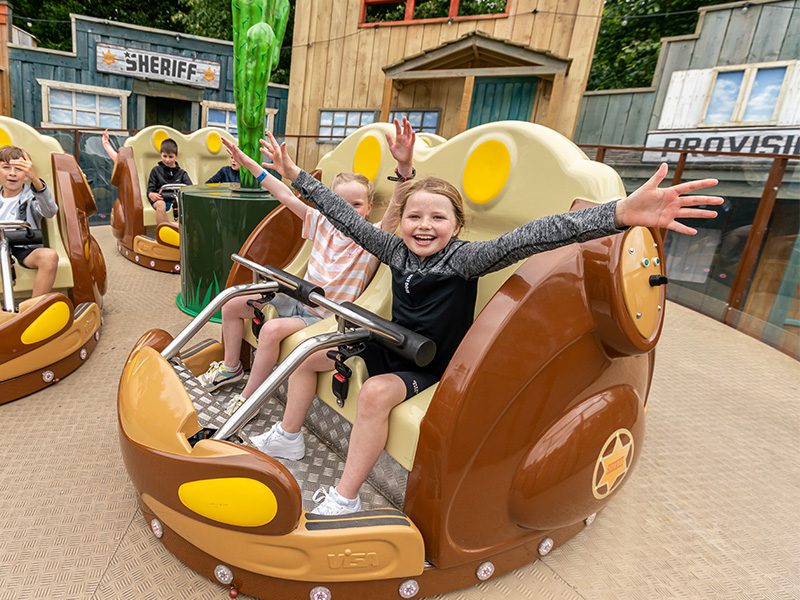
(711, 510)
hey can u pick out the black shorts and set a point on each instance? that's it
(380, 361)
(21, 251)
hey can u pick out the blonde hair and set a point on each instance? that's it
(9, 153)
(434, 185)
(348, 177)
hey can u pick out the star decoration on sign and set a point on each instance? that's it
(109, 58)
(612, 467)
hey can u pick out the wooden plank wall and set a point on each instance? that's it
(765, 32)
(336, 64)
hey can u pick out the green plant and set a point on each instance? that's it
(258, 30)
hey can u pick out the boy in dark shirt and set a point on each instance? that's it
(166, 171)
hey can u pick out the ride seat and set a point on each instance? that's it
(200, 154)
(508, 173)
(40, 148)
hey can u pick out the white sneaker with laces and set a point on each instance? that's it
(234, 403)
(218, 375)
(331, 502)
(274, 443)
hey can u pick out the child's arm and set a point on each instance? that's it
(185, 179)
(334, 207)
(42, 198)
(270, 183)
(108, 147)
(402, 149)
(648, 206)
(152, 185)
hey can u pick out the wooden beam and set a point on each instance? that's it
(754, 241)
(466, 103)
(453, 8)
(386, 102)
(479, 72)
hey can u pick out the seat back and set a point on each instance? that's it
(40, 148)
(200, 154)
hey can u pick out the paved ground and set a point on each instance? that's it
(710, 512)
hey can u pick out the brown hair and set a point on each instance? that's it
(434, 185)
(9, 153)
(348, 177)
(169, 146)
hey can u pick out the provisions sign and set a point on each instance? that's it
(155, 65)
(756, 141)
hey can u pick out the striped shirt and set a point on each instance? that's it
(337, 264)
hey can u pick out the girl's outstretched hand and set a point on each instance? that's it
(651, 206)
(279, 155)
(240, 157)
(402, 146)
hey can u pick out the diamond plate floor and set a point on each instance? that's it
(710, 511)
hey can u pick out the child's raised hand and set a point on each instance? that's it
(239, 156)
(279, 155)
(402, 146)
(651, 206)
(25, 165)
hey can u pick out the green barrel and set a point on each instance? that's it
(215, 220)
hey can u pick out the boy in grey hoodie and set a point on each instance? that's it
(25, 197)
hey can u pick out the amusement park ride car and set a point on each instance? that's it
(531, 431)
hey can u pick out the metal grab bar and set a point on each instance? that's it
(306, 348)
(171, 351)
(5, 261)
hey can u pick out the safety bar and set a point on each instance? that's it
(5, 260)
(304, 349)
(171, 187)
(172, 350)
(407, 343)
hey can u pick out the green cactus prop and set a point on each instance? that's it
(258, 29)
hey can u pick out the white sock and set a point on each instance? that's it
(342, 500)
(232, 369)
(286, 434)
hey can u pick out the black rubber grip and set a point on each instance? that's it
(412, 346)
(302, 287)
(21, 237)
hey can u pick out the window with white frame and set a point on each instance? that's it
(746, 95)
(421, 120)
(72, 104)
(223, 115)
(337, 124)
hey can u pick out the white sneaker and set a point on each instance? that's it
(218, 375)
(331, 502)
(274, 443)
(234, 404)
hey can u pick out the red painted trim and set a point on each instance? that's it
(409, 14)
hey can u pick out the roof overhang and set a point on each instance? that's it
(480, 55)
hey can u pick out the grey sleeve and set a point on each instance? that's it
(479, 258)
(43, 202)
(346, 219)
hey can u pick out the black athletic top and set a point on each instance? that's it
(435, 296)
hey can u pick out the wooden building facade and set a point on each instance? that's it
(732, 86)
(530, 62)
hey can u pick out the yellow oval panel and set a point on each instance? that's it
(486, 171)
(5, 138)
(642, 300)
(158, 138)
(47, 324)
(214, 142)
(86, 250)
(367, 159)
(169, 236)
(239, 501)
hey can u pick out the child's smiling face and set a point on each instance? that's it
(356, 196)
(12, 178)
(428, 223)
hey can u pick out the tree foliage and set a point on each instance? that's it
(630, 39)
